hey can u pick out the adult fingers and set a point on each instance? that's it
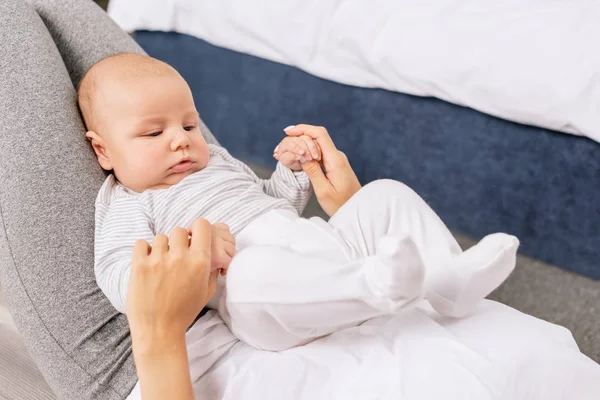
(212, 285)
(318, 179)
(160, 244)
(200, 231)
(178, 240)
(141, 249)
(318, 133)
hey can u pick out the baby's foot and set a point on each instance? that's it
(455, 290)
(397, 272)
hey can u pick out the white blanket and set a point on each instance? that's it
(529, 61)
(498, 353)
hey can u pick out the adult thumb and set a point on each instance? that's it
(315, 174)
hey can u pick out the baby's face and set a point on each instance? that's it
(151, 132)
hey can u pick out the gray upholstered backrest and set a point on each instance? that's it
(49, 179)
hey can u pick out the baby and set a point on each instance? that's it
(292, 280)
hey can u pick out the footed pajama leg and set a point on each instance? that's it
(454, 280)
(277, 298)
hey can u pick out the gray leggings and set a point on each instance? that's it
(49, 179)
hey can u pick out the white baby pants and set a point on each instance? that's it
(294, 280)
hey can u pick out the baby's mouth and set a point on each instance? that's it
(182, 166)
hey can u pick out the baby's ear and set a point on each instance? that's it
(99, 146)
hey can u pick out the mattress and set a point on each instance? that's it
(480, 173)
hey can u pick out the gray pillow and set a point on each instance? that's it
(49, 179)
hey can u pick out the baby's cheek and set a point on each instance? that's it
(150, 165)
(150, 159)
(204, 155)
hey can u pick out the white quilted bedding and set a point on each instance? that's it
(529, 61)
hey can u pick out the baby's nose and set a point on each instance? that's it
(180, 140)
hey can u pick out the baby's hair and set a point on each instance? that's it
(128, 67)
(85, 94)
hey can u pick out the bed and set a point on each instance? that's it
(480, 172)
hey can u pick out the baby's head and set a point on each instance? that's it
(142, 121)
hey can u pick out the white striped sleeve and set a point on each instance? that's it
(118, 226)
(284, 183)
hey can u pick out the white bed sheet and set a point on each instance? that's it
(498, 353)
(529, 61)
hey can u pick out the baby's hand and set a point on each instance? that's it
(222, 248)
(295, 150)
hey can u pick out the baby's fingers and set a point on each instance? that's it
(303, 150)
(288, 158)
(293, 145)
(311, 146)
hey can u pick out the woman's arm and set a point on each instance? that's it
(169, 285)
(163, 368)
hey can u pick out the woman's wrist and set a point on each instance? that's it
(155, 345)
(162, 365)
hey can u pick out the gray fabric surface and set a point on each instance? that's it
(79, 341)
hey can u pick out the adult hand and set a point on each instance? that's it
(334, 186)
(171, 281)
(293, 151)
(169, 285)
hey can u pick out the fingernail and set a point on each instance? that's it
(302, 160)
(300, 151)
(289, 127)
(276, 148)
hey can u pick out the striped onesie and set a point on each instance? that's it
(226, 191)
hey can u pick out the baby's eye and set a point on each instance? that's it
(155, 134)
(189, 128)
